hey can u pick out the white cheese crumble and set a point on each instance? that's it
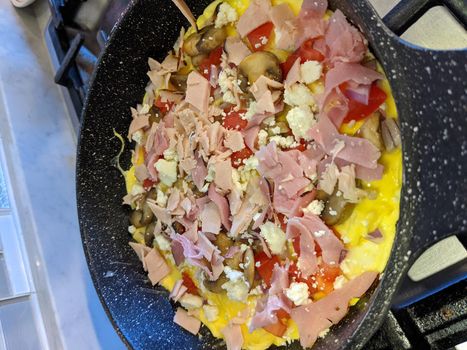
(137, 189)
(339, 282)
(284, 142)
(137, 137)
(300, 120)
(237, 288)
(211, 312)
(233, 275)
(251, 163)
(161, 198)
(226, 15)
(131, 229)
(227, 81)
(315, 207)
(298, 95)
(298, 293)
(163, 243)
(274, 236)
(262, 137)
(167, 171)
(310, 71)
(190, 301)
(171, 154)
(251, 111)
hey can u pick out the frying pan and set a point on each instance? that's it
(430, 92)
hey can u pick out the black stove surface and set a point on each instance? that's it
(435, 322)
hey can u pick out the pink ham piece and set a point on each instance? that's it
(141, 172)
(223, 175)
(262, 85)
(198, 91)
(185, 10)
(367, 174)
(255, 15)
(336, 107)
(141, 250)
(242, 219)
(199, 173)
(279, 279)
(285, 23)
(294, 74)
(184, 320)
(233, 336)
(307, 260)
(316, 317)
(138, 123)
(210, 218)
(265, 313)
(344, 41)
(357, 150)
(317, 7)
(157, 267)
(161, 213)
(235, 200)
(310, 22)
(347, 185)
(236, 50)
(233, 139)
(250, 135)
(178, 290)
(222, 206)
(265, 104)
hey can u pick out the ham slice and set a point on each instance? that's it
(348, 186)
(222, 206)
(161, 213)
(310, 22)
(316, 7)
(265, 104)
(233, 139)
(265, 313)
(199, 173)
(294, 74)
(157, 267)
(367, 174)
(279, 279)
(141, 172)
(345, 43)
(235, 200)
(250, 135)
(316, 317)
(178, 290)
(138, 123)
(198, 91)
(236, 50)
(255, 15)
(210, 218)
(223, 176)
(141, 250)
(233, 336)
(185, 10)
(285, 24)
(307, 260)
(262, 85)
(184, 320)
(357, 150)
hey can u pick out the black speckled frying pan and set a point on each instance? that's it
(431, 94)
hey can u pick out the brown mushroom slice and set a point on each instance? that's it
(223, 242)
(257, 64)
(135, 218)
(370, 130)
(147, 216)
(178, 227)
(196, 60)
(155, 115)
(216, 286)
(149, 234)
(190, 44)
(336, 208)
(208, 39)
(249, 266)
(179, 81)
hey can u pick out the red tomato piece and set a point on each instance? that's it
(233, 120)
(148, 183)
(357, 110)
(301, 147)
(238, 157)
(214, 59)
(266, 266)
(189, 284)
(282, 220)
(259, 37)
(282, 314)
(163, 106)
(278, 329)
(305, 52)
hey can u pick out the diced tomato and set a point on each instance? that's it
(296, 245)
(305, 52)
(282, 314)
(214, 59)
(259, 37)
(266, 266)
(163, 106)
(148, 183)
(234, 121)
(321, 281)
(189, 284)
(278, 329)
(282, 220)
(238, 157)
(357, 110)
(301, 147)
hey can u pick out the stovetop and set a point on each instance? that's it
(77, 33)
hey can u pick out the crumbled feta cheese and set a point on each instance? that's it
(310, 71)
(300, 120)
(227, 81)
(322, 334)
(339, 282)
(171, 154)
(262, 138)
(274, 236)
(238, 181)
(270, 121)
(243, 247)
(251, 111)
(298, 95)
(190, 301)
(211, 312)
(315, 207)
(232, 274)
(276, 130)
(131, 229)
(167, 171)
(256, 291)
(226, 15)
(163, 243)
(298, 293)
(251, 163)
(137, 189)
(319, 233)
(236, 290)
(161, 198)
(283, 142)
(137, 137)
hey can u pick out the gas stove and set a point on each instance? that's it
(430, 312)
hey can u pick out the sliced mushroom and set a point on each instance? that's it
(135, 218)
(336, 208)
(223, 242)
(149, 234)
(257, 64)
(155, 115)
(196, 60)
(249, 266)
(371, 131)
(178, 227)
(147, 216)
(204, 41)
(216, 286)
(179, 81)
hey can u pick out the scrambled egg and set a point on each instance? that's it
(369, 214)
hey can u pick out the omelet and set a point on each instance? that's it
(380, 211)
